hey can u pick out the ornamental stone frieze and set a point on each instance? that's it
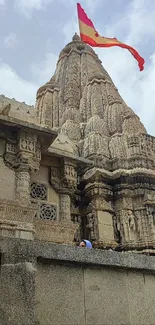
(16, 221)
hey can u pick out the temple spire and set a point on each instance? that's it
(76, 37)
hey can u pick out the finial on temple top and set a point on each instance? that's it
(76, 37)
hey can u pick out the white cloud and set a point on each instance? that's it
(43, 71)
(137, 88)
(69, 29)
(86, 4)
(16, 87)
(11, 41)
(91, 4)
(137, 21)
(23, 90)
(26, 7)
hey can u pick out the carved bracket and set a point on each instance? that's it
(24, 153)
(64, 179)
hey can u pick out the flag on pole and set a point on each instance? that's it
(90, 36)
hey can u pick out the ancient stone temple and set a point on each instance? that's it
(79, 164)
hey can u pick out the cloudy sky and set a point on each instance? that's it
(33, 32)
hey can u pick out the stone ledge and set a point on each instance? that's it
(66, 253)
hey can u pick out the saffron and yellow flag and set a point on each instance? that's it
(90, 36)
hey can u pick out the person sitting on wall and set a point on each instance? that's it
(85, 243)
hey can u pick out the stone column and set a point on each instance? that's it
(100, 214)
(23, 186)
(104, 214)
(65, 207)
(67, 188)
(27, 160)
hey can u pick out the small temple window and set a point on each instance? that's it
(38, 191)
(46, 210)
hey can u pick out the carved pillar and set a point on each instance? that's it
(135, 216)
(23, 186)
(28, 160)
(22, 154)
(100, 213)
(64, 181)
(65, 207)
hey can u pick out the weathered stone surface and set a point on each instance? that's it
(72, 285)
(98, 125)
(66, 306)
(54, 231)
(32, 249)
(17, 304)
(95, 181)
(18, 110)
(16, 221)
(82, 111)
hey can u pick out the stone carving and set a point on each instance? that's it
(12, 211)
(6, 110)
(16, 221)
(38, 191)
(64, 179)
(23, 155)
(125, 227)
(65, 207)
(139, 224)
(92, 226)
(27, 145)
(132, 226)
(11, 147)
(47, 211)
(23, 186)
(76, 219)
(106, 159)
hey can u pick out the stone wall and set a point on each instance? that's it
(70, 294)
(45, 284)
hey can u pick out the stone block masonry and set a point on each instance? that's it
(49, 284)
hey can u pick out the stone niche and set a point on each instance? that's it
(105, 225)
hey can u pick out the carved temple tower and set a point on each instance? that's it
(79, 164)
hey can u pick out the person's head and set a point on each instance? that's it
(86, 243)
(82, 244)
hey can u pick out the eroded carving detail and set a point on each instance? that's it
(117, 190)
(92, 226)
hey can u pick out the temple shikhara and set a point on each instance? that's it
(79, 164)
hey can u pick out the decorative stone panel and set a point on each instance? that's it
(39, 191)
(47, 211)
(16, 221)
